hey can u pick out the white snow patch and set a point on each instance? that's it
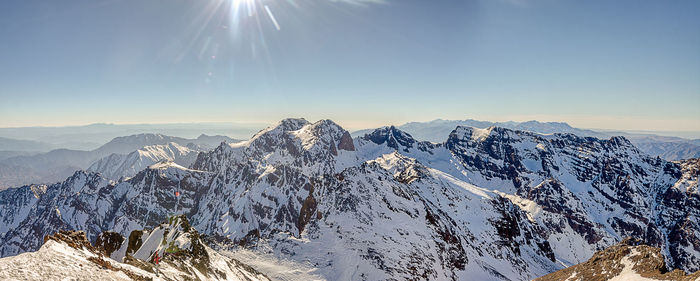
(628, 273)
(480, 134)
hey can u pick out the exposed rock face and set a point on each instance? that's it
(346, 142)
(75, 239)
(628, 260)
(679, 215)
(108, 242)
(488, 204)
(176, 246)
(584, 186)
(78, 240)
(180, 253)
(396, 139)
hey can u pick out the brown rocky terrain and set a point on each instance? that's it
(627, 260)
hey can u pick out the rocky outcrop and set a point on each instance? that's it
(108, 242)
(171, 251)
(78, 240)
(397, 139)
(627, 260)
(73, 238)
(175, 246)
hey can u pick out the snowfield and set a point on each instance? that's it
(57, 261)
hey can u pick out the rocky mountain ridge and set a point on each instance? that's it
(669, 148)
(490, 203)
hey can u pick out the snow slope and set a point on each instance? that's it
(67, 255)
(492, 204)
(116, 166)
(58, 261)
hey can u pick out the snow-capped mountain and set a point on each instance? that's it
(487, 204)
(354, 218)
(127, 144)
(588, 193)
(59, 164)
(669, 148)
(438, 130)
(116, 166)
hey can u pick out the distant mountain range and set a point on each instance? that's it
(56, 165)
(669, 148)
(482, 204)
(92, 136)
(7, 144)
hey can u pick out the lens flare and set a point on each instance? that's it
(233, 32)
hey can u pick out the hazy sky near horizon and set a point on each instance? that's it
(627, 64)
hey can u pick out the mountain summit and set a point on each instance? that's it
(490, 204)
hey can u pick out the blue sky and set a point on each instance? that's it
(624, 64)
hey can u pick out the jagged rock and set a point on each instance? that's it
(627, 260)
(77, 240)
(491, 204)
(72, 238)
(108, 242)
(175, 245)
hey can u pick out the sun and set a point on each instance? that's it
(239, 2)
(252, 8)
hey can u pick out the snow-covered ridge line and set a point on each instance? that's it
(508, 205)
(117, 166)
(171, 251)
(669, 148)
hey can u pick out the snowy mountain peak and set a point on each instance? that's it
(621, 141)
(116, 166)
(398, 140)
(297, 137)
(487, 204)
(480, 134)
(127, 144)
(285, 125)
(327, 134)
(393, 138)
(404, 169)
